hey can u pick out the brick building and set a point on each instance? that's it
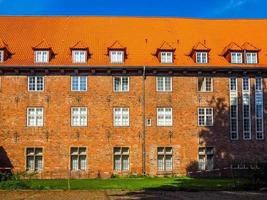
(94, 96)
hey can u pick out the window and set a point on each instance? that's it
(205, 84)
(34, 159)
(121, 116)
(41, 56)
(78, 158)
(164, 158)
(164, 84)
(259, 123)
(205, 158)
(35, 116)
(79, 56)
(251, 58)
(233, 109)
(121, 84)
(121, 158)
(246, 108)
(79, 83)
(236, 57)
(166, 57)
(35, 83)
(116, 56)
(205, 116)
(1, 56)
(201, 57)
(164, 116)
(78, 116)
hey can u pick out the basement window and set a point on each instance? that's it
(34, 159)
(121, 158)
(164, 158)
(78, 158)
(205, 158)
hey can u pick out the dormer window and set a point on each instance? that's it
(251, 57)
(236, 58)
(201, 57)
(166, 57)
(41, 56)
(1, 56)
(116, 56)
(79, 56)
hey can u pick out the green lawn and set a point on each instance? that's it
(142, 183)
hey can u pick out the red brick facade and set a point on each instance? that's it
(100, 136)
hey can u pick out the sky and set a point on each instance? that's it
(158, 8)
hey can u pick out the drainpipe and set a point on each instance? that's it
(144, 123)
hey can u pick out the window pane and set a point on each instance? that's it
(117, 162)
(168, 162)
(160, 162)
(83, 162)
(74, 163)
(125, 162)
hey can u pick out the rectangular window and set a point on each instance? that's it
(41, 56)
(121, 116)
(1, 56)
(164, 84)
(236, 58)
(205, 84)
(121, 159)
(79, 56)
(201, 57)
(206, 158)
(35, 83)
(233, 109)
(166, 57)
(251, 58)
(259, 122)
(78, 158)
(78, 116)
(246, 108)
(116, 56)
(164, 158)
(205, 116)
(79, 83)
(164, 116)
(34, 159)
(35, 116)
(121, 84)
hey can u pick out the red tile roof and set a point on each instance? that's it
(141, 36)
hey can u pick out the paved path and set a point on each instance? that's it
(118, 194)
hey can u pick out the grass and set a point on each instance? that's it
(139, 183)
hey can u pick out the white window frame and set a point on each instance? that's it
(204, 87)
(2, 56)
(164, 115)
(259, 103)
(120, 112)
(164, 154)
(79, 117)
(36, 84)
(233, 93)
(121, 154)
(78, 154)
(79, 83)
(116, 56)
(121, 88)
(166, 57)
(235, 59)
(251, 57)
(43, 58)
(246, 102)
(205, 153)
(34, 155)
(164, 80)
(205, 115)
(203, 56)
(79, 56)
(35, 117)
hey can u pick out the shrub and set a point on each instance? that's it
(14, 185)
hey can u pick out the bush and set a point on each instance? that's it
(14, 185)
(5, 176)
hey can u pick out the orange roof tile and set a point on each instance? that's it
(3, 45)
(42, 45)
(79, 45)
(140, 35)
(200, 47)
(249, 47)
(116, 45)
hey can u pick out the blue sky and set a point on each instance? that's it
(174, 8)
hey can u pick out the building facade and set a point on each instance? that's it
(97, 96)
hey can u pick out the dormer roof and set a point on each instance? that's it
(249, 47)
(231, 47)
(79, 45)
(165, 46)
(43, 45)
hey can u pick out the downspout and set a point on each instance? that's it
(144, 122)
